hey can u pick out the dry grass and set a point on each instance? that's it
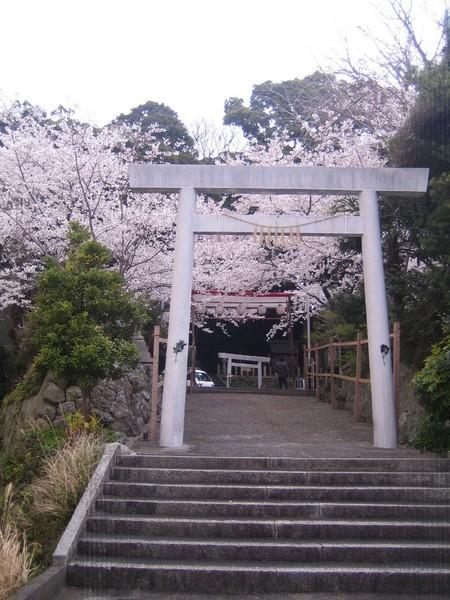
(15, 558)
(64, 477)
(15, 562)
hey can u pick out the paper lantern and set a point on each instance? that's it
(281, 309)
(242, 309)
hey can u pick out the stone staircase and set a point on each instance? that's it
(263, 525)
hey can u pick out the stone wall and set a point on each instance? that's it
(123, 405)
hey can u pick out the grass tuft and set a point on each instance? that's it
(15, 558)
(65, 474)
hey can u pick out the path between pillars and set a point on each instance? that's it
(232, 424)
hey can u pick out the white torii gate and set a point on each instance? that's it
(188, 180)
(244, 360)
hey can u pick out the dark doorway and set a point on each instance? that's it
(247, 338)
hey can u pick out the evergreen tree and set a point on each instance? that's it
(417, 232)
(164, 125)
(84, 318)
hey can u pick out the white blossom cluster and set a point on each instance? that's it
(54, 169)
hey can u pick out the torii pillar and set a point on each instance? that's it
(189, 180)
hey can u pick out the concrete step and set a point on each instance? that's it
(264, 528)
(360, 478)
(418, 465)
(72, 593)
(213, 577)
(265, 550)
(261, 525)
(274, 509)
(429, 495)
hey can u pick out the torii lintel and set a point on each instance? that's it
(276, 179)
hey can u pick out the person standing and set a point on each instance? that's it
(281, 369)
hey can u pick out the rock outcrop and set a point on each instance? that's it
(123, 405)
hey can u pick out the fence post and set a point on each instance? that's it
(305, 368)
(396, 369)
(332, 357)
(154, 397)
(193, 353)
(357, 404)
(316, 360)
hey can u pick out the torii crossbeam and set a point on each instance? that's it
(188, 180)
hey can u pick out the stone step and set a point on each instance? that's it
(268, 577)
(265, 550)
(260, 477)
(259, 525)
(280, 492)
(274, 509)
(262, 528)
(419, 465)
(72, 593)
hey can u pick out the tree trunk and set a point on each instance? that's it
(85, 401)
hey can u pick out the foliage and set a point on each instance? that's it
(176, 145)
(22, 461)
(28, 386)
(342, 318)
(284, 109)
(417, 232)
(432, 434)
(424, 138)
(56, 492)
(78, 424)
(84, 318)
(6, 370)
(15, 557)
(432, 384)
(68, 454)
(425, 304)
(330, 324)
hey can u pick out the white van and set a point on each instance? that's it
(202, 379)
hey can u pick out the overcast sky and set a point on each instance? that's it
(104, 57)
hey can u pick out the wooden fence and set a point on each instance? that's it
(315, 376)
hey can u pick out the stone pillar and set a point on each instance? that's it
(383, 409)
(175, 377)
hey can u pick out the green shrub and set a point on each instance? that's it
(432, 384)
(433, 434)
(78, 424)
(23, 459)
(28, 386)
(6, 371)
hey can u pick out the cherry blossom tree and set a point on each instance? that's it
(53, 170)
(317, 266)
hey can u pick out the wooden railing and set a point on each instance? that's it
(316, 376)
